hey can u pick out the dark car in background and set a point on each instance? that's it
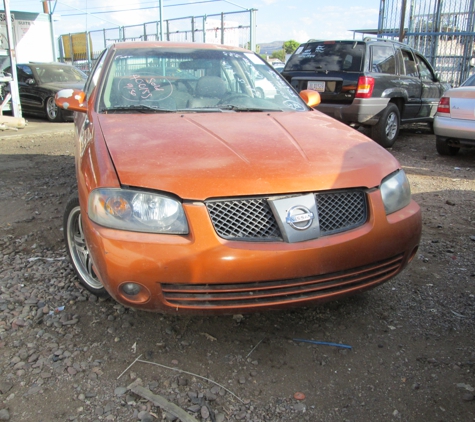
(374, 83)
(39, 82)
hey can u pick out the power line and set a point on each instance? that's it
(140, 8)
(102, 8)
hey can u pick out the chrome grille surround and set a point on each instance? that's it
(251, 219)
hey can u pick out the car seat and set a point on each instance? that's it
(209, 91)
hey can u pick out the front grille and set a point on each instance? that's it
(251, 219)
(341, 211)
(280, 292)
(248, 219)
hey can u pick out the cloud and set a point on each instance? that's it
(300, 36)
(330, 23)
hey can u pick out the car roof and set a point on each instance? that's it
(363, 41)
(178, 45)
(46, 63)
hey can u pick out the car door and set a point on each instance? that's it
(431, 88)
(411, 83)
(30, 99)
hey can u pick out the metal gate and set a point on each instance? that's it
(442, 30)
(232, 28)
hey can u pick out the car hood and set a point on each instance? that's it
(204, 155)
(57, 86)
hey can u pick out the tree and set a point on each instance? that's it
(279, 54)
(290, 46)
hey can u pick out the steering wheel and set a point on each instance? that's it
(186, 83)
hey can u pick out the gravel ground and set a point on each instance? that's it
(66, 356)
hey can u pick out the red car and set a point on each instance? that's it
(196, 195)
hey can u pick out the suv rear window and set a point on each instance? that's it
(328, 56)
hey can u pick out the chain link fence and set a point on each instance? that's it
(442, 30)
(232, 28)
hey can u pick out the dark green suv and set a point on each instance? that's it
(374, 83)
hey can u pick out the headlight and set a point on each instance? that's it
(395, 191)
(136, 211)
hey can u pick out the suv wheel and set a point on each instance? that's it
(443, 148)
(386, 130)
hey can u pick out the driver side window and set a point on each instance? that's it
(24, 73)
(424, 70)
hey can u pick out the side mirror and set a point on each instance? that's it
(71, 99)
(311, 98)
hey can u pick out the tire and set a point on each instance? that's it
(386, 130)
(443, 148)
(77, 249)
(53, 113)
(260, 93)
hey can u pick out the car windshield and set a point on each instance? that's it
(194, 80)
(470, 81)
(51, 73)
(328, 56)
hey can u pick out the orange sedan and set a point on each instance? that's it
(197, 194)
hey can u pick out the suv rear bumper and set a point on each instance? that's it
(361, 110)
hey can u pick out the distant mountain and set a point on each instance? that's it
(270, 47)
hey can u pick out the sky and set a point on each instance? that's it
(277, 20)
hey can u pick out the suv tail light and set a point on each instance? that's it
(365, 87)
(444, 105)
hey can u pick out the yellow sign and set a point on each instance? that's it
(75, 46)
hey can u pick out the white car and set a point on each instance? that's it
(454, 123)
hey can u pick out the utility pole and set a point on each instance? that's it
(160, 7)
(49, 12)
(403, 19)
(13, 81)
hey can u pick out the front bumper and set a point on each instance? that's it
(360, 111)
(203, 274)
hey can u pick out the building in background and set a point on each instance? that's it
(31, 36)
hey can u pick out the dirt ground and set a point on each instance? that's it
(412, 355)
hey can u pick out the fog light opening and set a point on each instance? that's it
(131, 289)
(134, 292)
(413, 254)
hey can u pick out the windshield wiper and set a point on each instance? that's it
(140, 108)
(249, 109)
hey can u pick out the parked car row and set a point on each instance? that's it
(355, 79)
(210, 183)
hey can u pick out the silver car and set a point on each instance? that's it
(454, 122)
